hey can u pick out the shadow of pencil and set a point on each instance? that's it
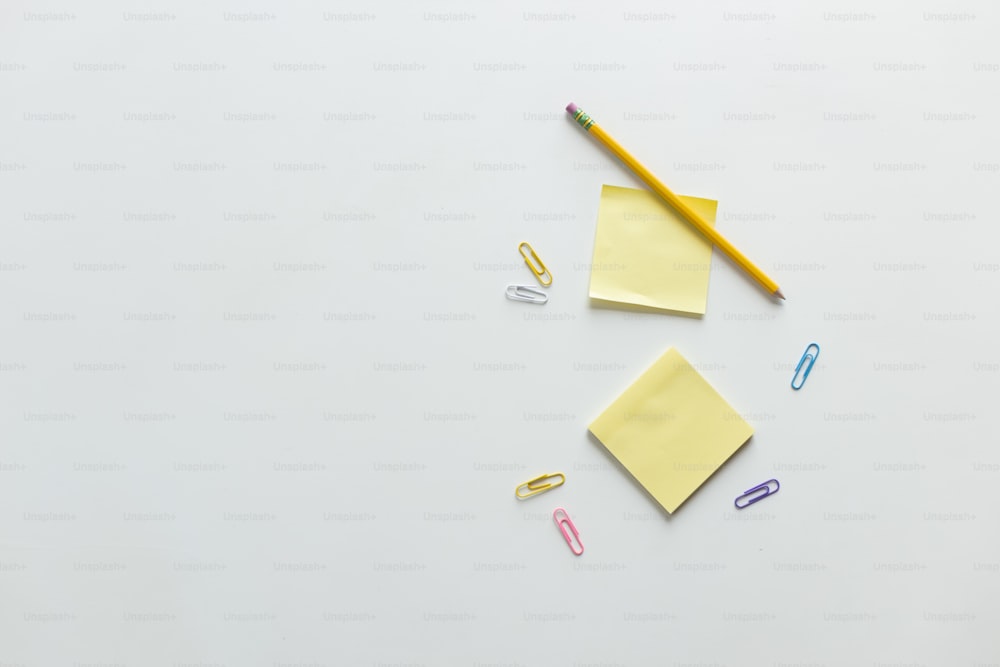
(598, 150)
(633, 308)
(749, 280)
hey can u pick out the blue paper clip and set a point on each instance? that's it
(809, 358)
(766, 487)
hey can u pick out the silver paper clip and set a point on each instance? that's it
(526, 293)
(749, 493)
(809, 359)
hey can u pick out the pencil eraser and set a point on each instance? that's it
(571, 108)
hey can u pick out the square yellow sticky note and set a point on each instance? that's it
(671, 430)
(646, 254)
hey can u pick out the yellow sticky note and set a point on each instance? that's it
(671, 430)
(646, 254)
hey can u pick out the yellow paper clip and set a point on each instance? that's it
(534, 263)
(539, 485)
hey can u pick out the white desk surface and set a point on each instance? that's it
(263, 403)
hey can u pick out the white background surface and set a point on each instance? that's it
(263, 403)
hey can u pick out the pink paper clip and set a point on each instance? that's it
(562, 522)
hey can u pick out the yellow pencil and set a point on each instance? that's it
(587, 123)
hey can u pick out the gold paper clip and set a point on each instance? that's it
(534, 263)
(539, 485)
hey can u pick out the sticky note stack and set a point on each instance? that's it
(645, 254)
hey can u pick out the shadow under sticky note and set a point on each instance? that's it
(646, 254)
(671, 430)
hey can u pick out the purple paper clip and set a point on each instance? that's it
(766, 487)
(563, 522)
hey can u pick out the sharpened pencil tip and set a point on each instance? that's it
(778, 294)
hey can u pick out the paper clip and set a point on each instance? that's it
(564, 521)
(809, 359)
(534, 263)
(540, 485)
(766, 486)
(526, 293)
